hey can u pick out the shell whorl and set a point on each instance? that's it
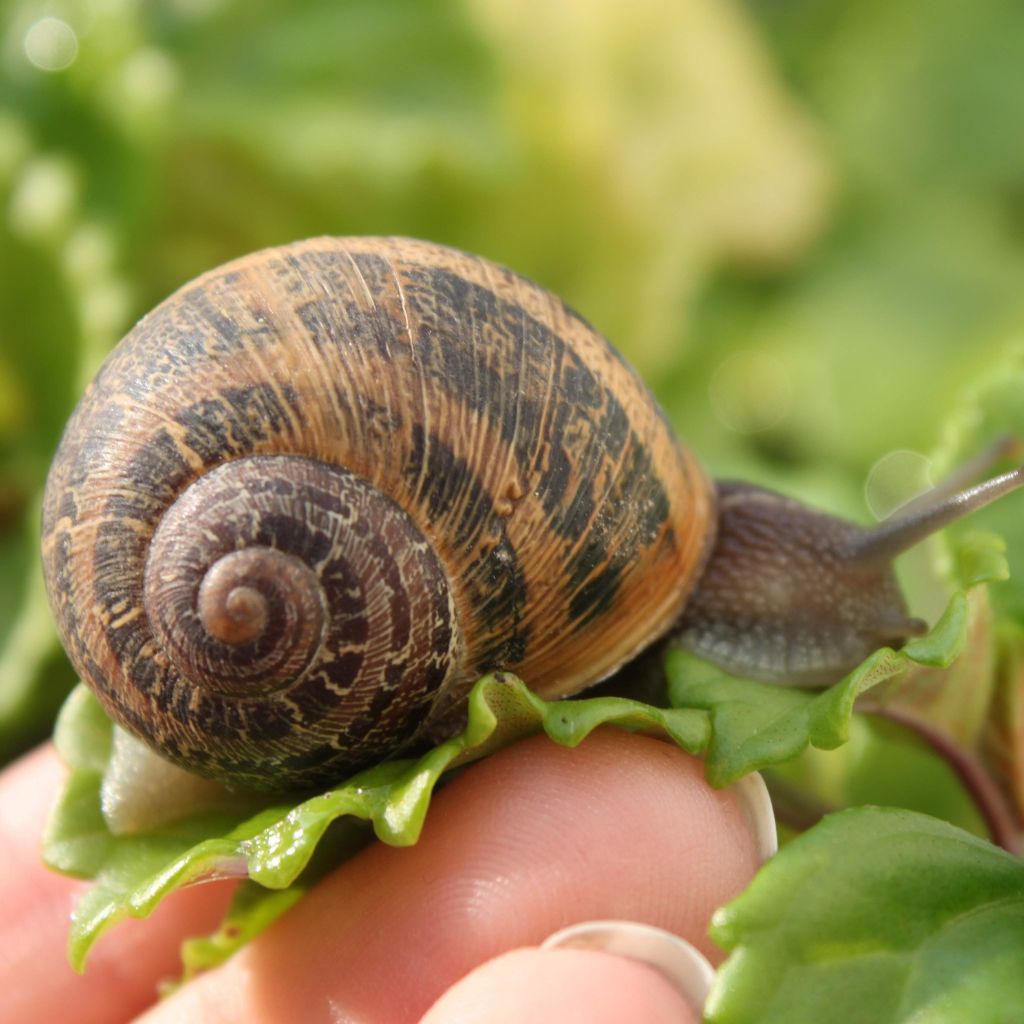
(304, 606)
(520, 472)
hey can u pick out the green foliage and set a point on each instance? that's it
(755, 726)
(877, 914)
(274, 847)
(802, 221)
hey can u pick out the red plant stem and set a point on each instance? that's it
(1003, 825)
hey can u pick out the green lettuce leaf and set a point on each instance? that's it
(756, 725)
(274, 847)
(878, 915)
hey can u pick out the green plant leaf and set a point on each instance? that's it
(981, 558)
(754, 725)
(992, 407)
(252, 908)
(275, 846)
(877, 915)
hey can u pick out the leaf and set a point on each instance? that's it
(993, 407)
(875, 914)
(957, 699)
(275, 847)
(754, 725)
(981, 558)
(252, 909)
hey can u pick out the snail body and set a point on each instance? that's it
(319, 491)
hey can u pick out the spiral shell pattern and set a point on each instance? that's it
(319, 491)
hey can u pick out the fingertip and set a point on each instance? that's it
(623, 827)
(534, 838)
(677, 960)
(125, 968)
(567, 985)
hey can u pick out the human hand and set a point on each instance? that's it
(520, 845)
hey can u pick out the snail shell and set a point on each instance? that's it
(318, 492)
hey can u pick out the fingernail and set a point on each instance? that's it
(756, 805)
(672, 957)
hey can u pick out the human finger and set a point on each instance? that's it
(36, 981)
(532, 839)
(571, 986)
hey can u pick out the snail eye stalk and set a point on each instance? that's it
(793, 595)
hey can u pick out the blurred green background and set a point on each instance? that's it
(802, 220)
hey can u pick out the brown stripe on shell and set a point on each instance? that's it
(563, 512)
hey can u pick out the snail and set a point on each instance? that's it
(319, 491)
